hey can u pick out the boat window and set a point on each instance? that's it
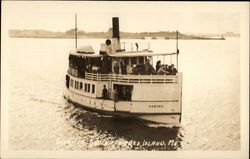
(76, 84)
(80, 85)
(71, 83)
(93, 88)
(85, 87)
(88, 87)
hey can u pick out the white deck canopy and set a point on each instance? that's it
(84, 54)
(123, 54)
(139, 53)
(88, 49)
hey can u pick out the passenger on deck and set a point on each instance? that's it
(130, 69)
(115, 94)
(104, 92)
(116, 67)
(134, 70)
(137, 46)
(123, 67)
(149, 69)
(162, 70)
(169, 70)
(89, 68)
(158, 65)
(123, 93)
(173, 70)
(128, 95)
(104, 65)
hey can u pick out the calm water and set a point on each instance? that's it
(41, 119)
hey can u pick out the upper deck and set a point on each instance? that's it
(120, 74)
(123, 62)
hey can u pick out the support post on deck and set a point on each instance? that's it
(177, 50)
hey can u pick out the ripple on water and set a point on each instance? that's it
(103, 132)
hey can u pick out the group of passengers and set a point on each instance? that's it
(146, 69)
(120, 93)
(77, 63)
(123, 67)
(165, 69)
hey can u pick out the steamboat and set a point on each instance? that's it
(122, 82)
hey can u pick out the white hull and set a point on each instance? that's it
(169, 113)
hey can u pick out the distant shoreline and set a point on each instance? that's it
(70, 34)
(55, 37)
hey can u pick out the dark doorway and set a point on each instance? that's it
(123, 92)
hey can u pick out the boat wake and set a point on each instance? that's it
(140, 135)
(157, 125)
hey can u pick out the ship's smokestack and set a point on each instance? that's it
(116, 33)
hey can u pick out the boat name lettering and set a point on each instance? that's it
(155, 106)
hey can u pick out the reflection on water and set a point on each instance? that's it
(136, 134)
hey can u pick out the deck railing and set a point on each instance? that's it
(131, 46)
(132, 78)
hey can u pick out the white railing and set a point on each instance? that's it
(132, 78)
(131, 46)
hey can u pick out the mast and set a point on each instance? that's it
(177, 50)
(76, 30)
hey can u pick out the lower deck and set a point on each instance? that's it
(157, 102)
(160, 112)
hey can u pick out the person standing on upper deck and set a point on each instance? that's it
(123, 67)
(148, 68)
(158, 65)
(173, 70)
(162, 70)
(116, 68)
(169, 69)
(137, 46)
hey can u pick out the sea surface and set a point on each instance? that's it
(41, 119)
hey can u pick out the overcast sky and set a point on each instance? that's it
(194, 17)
